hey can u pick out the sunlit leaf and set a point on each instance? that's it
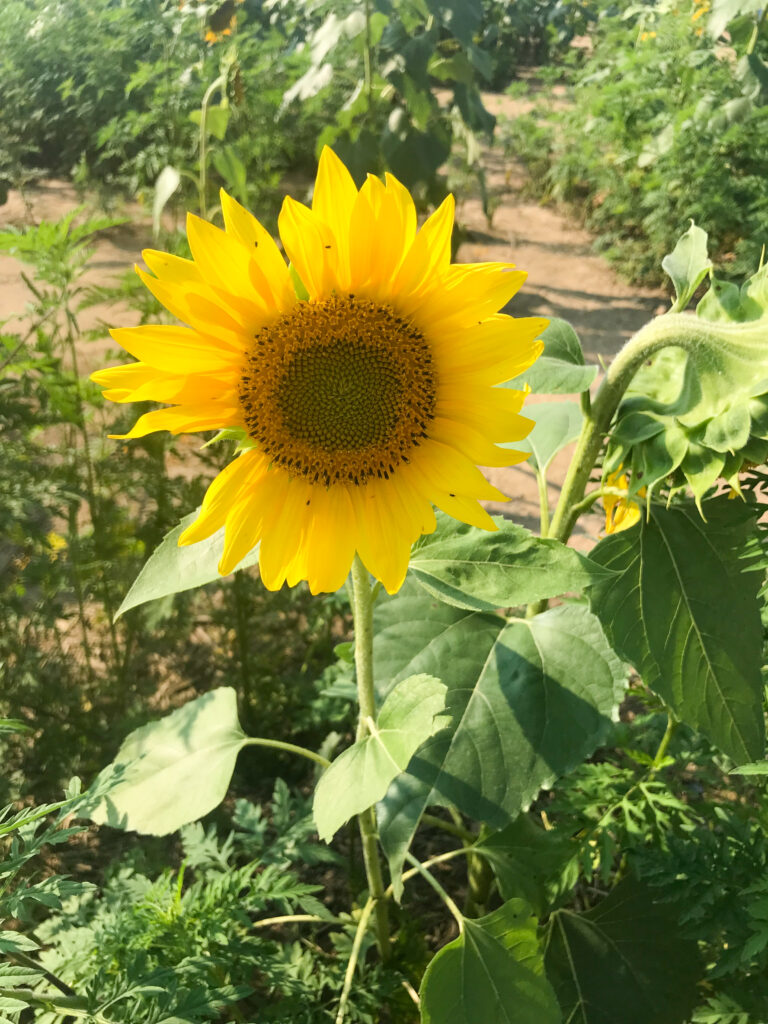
(557, 425)
(171, 569)
(688, 264)
(490, 570)
(175, 770)
(560, 369)
(360, 775)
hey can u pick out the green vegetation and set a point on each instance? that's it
(667, 121)
(568, 800)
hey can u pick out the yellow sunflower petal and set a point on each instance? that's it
(284, 526)
(171, 348)
(184, 419)
(223, 492)
(430, 253)
(330, 540)
(225, 262)
(332, 201)
(243, 226)
(382, 546)
(307, 242)
(466, 296)
(137, 382)
(493, 351)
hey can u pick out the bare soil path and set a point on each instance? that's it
(565, 279)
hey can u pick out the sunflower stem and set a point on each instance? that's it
(672, 329)
(362, 614)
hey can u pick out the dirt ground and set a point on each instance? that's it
(565, 279)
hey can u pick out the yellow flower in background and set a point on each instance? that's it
(365, 401)
(620, 512)
(700, 8)
(56, 543)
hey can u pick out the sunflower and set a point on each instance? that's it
(361, 377)
(621, 512)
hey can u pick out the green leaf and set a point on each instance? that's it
(624, 960)
(557, 425)
(175, 770)
(707, 401)
(531, 862)
(529, 699)
(688, 265)
(15, 942)
(684, 611)
(484, 571)
(725, 11)
(560, 369)
(492, 973)
(12, 976)
(360, 776)
(171, 569)
(216, 121)
(753, 768)
(9, 1005)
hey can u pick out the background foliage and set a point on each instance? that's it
(593, 821)
(667, 122)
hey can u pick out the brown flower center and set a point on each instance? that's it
(339, 391)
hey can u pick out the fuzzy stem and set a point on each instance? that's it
(677, 329)
(362, 613)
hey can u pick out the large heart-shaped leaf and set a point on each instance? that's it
(560, 369)
(529, 699)
(624, 960)
(684, 611)
(171, 569)
(175, 770)
(492, 973)
(360, 775)
(484, 571)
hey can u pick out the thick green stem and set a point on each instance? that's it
(362, 613)
(677, 329)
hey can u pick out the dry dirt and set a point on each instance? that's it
(565, 279)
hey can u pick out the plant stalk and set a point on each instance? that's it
(362, 614)
(677, 329)
(290, 748)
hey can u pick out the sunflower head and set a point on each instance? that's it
(361, 379)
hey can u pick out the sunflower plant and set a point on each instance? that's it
(361, 379)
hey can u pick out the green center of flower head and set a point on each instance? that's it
(339, 391)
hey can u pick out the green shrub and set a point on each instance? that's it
(666, 125)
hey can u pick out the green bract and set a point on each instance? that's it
(695, 414)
